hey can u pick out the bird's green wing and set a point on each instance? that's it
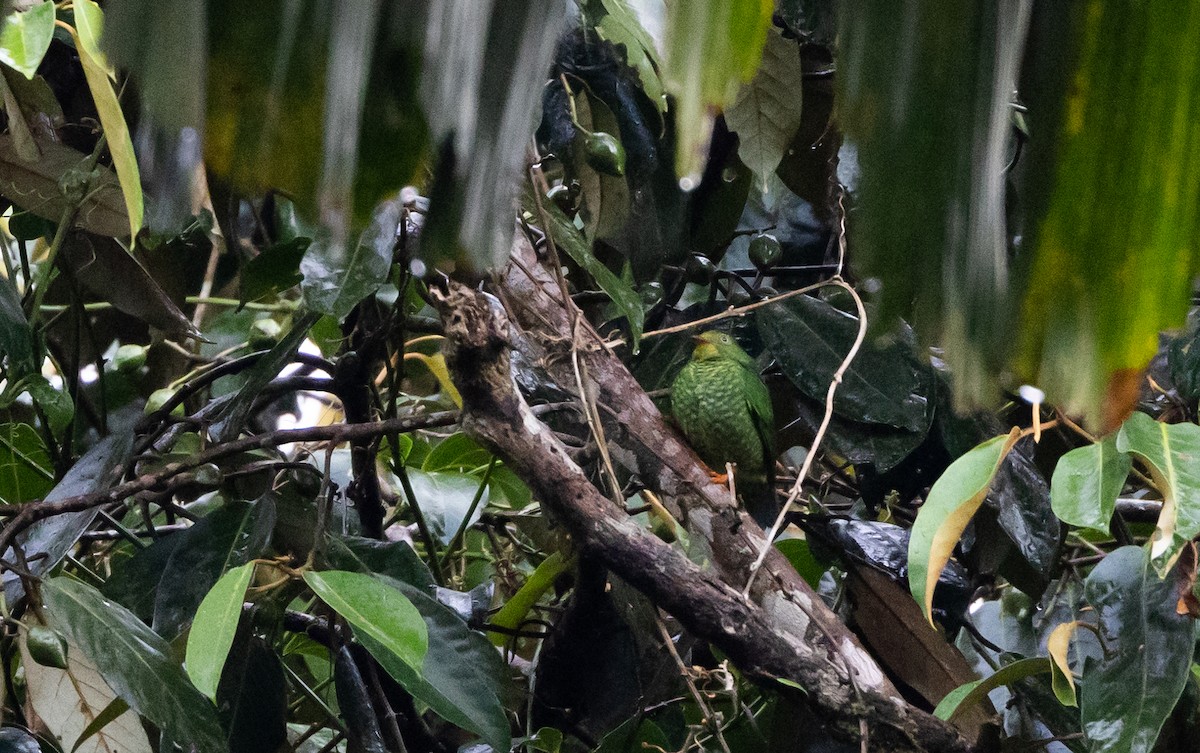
(763, 416)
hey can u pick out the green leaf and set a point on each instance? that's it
(712, 47)
(1086, 482)
(1058, 646)
(213, 629)
(1111, 198)
(26, 37)
(374, 610)
(462, 677)
(620, 25)
(227, 538)
(767, 111)
(395, 559)
(971, 693)
(445, 498)
(513, 613)
(801, 557)
(47, 541)
(623, 296)
(1132, 687)
(941, 135)
(951, 503)
(457, 452)
(25, 470)
(16, 338)
(884, 384)
(1170, 451)
(89, 22)
(252, 698)
(337, 278)
(134, 661)
(56, 404)
(273, 271)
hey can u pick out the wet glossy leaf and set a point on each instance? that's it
(26, 37)
(1108, 199)
(56, 404)
(135, 662)
(445, 498)
(213, 629)
(767, 110)
(134, 581)
(89, 24)
(623, 296)
(711, 48)
(882, 446)
(25, 470)
(884, 384)
(1129, 691)
(34, 186)
(17, 740)
(1170, 451)
(71, 699)
(16, 338)
(224, 539)
(924, 97)
(375, 610)
(971, 693)
(273, 271)
(47, 541)
(620, 25)
(461, 680)
(950, 505)
(1021, 498)
(483, 69)
(395, 559)
(252, 698)
(337, 278)
(1086, 483)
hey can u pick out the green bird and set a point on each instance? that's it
(724, 410)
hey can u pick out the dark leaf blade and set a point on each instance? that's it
(395, 559)
(1130, 690)
(53, 537)
(273, 271)
(1021, 498)
(337, 278)
(252, 698)
(135, 662)
(16, 337)
(884, 384)
(376, 610)
(462, 677)
(231, 536)
(25, 469)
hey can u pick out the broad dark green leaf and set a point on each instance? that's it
(136, 663)
(1110, 197)
(1021, 498)
(252, 698)
(1170, 451)
(51, 538)
(134, 581)
(375, 610)
(55, 403)
(395, 559)
(1086, 483)
(26, 37)
(1130, 690)
(25, 470)
(457, 452)
(273, 271)
(230, 536)
(711, 48)
(883, 447)
(884, 384)
(964, 696)
(233, 415)
(213, 629)
(482, 73)
(623, 296)
(924, 96)
(463, 676)
(445, 499)
(16, 338)
(336, 278)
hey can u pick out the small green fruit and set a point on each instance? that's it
(159, 398)
(47, 647)
(129, 358)
(765, 250)
(605, 154)
(699, 269)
